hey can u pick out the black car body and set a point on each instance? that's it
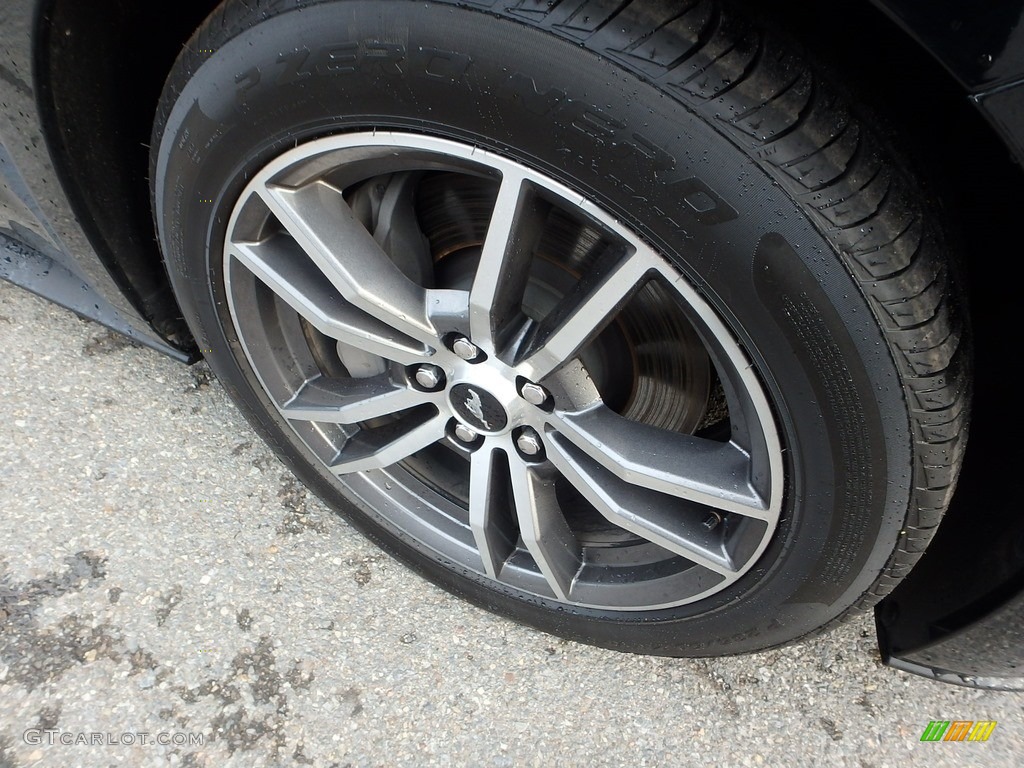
(78, 86)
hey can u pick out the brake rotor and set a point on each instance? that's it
(649, 365)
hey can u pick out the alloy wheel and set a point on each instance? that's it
(510, 377)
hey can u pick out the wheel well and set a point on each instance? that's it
(101, 73)
(977, 184)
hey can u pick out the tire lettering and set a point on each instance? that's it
(696, 201)
(443, 65)
(351, 57)
(660, 158)
(365, 56)
(593, 122)
(523, 90)
(340, 58)
(295, 66)
(245, 82)
(386, 57)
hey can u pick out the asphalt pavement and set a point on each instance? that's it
(170, 595)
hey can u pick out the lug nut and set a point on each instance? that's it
(464, 433)
(429, 377)
(529, 443)
(534, 394)
(712, 521)
(465, 349)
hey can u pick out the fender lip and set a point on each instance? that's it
(986, 654)
(979, 644)
(958, 617)
(38, 273)
(1009, 684)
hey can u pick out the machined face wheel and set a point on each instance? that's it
(504, 373)
(616, 319)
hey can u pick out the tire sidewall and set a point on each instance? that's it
(646, 157)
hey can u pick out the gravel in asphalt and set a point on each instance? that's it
(162, 573)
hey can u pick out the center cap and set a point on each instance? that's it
(478, 408)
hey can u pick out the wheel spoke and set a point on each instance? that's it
(501, 278)
(384, 446)
(448, 284)
(323, 225)
(675, 524)
(704, 471)
(290, 275)
(488, 502)
(543, 527)
(349, 401)
(595, 302)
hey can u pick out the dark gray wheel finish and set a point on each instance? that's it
(686, 129)
(684, 516)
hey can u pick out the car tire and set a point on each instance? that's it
(646, 338)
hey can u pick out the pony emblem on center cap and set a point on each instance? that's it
(476, 407)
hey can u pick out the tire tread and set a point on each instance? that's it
(767, 96)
